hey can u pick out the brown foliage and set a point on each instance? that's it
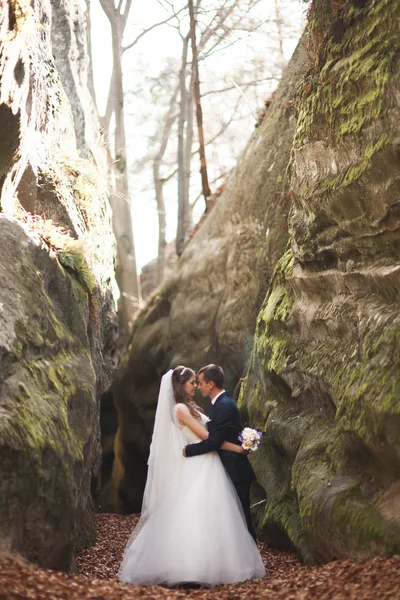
(287, 578)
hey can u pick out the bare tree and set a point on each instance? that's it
(158, 186)
(280, 33)
(217, 26)
(199, 113)
(182, 204)
(126, 273)
(188, 154)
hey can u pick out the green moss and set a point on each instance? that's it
(77, 182)
(268, 343)
(364, 523)
(321, 483)
(355, 171)
(331, 502)
(241, 403)
(41, 417)
(283, 306)
(51, 376)
(24, 17)
(31, 333)
(285, 265)
(72, 256)
(271, 348)
(71, 253)
(42, 329)
(366, 393)
(17, 349)
(341, 96)
(279, 351)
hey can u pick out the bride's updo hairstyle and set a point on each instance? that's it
(180, 376)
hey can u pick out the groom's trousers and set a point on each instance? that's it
(243, 491)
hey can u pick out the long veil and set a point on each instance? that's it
(165, 456)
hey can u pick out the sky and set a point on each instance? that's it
(146, 56)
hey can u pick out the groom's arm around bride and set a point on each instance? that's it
(225, 425)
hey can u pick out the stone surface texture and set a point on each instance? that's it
(57, 319)
(324, 381)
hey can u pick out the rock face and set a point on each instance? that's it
(57, 322)
(206, 311)
(148, 276)
(324, 381)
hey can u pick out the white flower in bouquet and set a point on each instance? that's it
(250, 439)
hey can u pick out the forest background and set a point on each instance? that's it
(243, 47)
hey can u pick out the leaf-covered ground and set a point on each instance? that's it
(287, 578)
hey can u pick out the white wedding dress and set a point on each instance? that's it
(197, 533)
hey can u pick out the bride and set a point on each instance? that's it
(192, 528)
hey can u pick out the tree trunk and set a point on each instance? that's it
(158, 186)
(162, 223)
(280, 34)
(89, 46)
(181, 224)
(199, 114)
(106, 120)
(188, 155)
(122, 219)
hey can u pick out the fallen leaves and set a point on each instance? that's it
(287, 578)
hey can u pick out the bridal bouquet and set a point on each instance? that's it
(250, 439)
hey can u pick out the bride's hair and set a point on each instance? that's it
(180, 376)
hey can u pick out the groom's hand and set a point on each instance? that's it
(184, 452)
(243, 451)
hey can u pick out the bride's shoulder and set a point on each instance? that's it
(182, 408)
(181, 412)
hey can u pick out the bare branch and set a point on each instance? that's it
(216, 49)
(109, 9)
(226, 124)
(139, 37)
(211, 31)
(169, 120)
(245, 85)
(238, 24)
(226, 32)
(197, 101)
(181, 222)
(125, 15)
(166, 2)
(158, 186)
(221, 176)
(222, 130)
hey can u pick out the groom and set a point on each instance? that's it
(225, 425)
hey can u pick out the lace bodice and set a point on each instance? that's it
(190, 436)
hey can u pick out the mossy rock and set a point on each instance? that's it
(324, 377)
(57, 312)
(48, 404)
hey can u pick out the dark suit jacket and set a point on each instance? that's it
(225, 425)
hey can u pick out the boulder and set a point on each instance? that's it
(324, 380)
(57, 317)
